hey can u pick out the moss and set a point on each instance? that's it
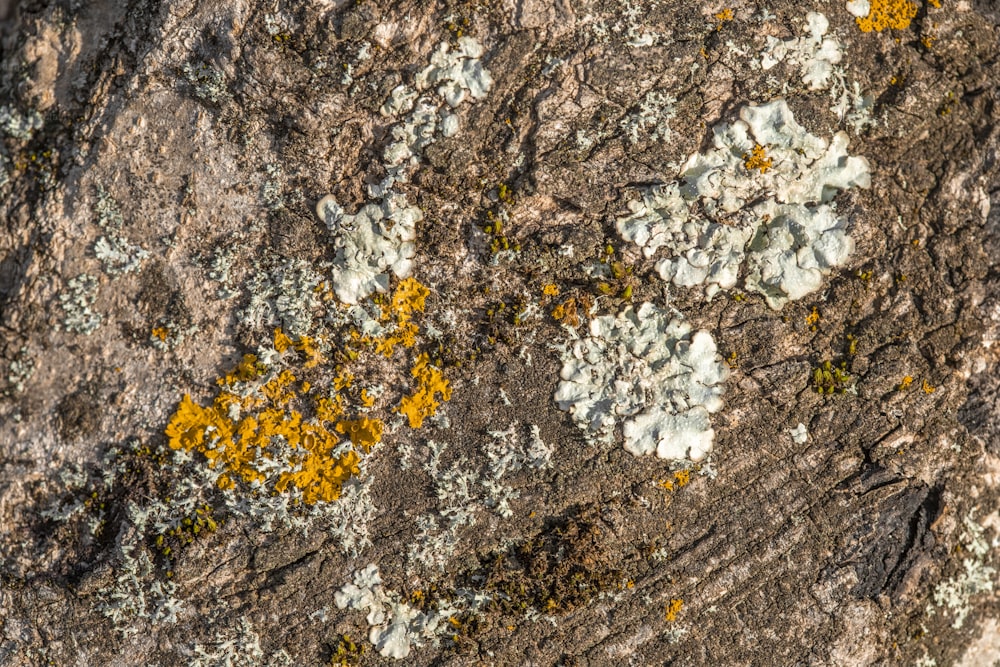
(829, 378)
(347, 653)
(563, 568)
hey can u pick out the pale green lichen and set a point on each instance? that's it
(76, 302)
(117, 255)
(710, 227)
(648, 371)
(976, 576)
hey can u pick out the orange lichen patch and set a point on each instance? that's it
(905, 383)
(928, 42)
(364, 432)
(934, 3)
(281, 341)
(237, 448)
(161, 333)
(191, 423)
(423, 402)
(321, 477)
(409, 298)
(757, 159)
(248, 369)
(550, 290)
(343, 380)
(682, 477)
(565, 312)
(279, 389)
(673, 608)
(329, 409)
(895, 14)
(928, 388)
(405, 335)
(309, 349)
(367, 400)
(722, 17)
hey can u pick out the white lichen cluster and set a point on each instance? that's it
(759, 200)
(285, 296)
(509, 452)
(76, 302)
(652, 119)
(21, 126)
(377, 241)
(116, 254)
(373, 244)
(20, 370)
(240, 648)
(465, 488)
(814, 53)
(137, 592)
(976, 577)
(395, 626)
(817, 56)
(648, 372)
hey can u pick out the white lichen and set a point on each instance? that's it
(652, 119)
(76, 302)
(814, 53)
(976, 577)
(649, 373)
(457, 72)
(395, 626)
(116, 254)
(711, 228)
(377, 241)
(21, 126)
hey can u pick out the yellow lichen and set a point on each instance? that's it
(248, 369)
(364, 432)
(813, 317)
(566, 313)
(550, 290)
(884, 14)
(423, 402)
(161, 333)
(281, 341)
(673, 608)
(928, 387)
(757, 159)
(905, 383)
(408, 298)
(722, 17)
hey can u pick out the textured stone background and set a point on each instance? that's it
(821, 553)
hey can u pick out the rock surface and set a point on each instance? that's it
(160, 167)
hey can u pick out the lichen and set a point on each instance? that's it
(251, 433)
(886, 14)
(76, 303)
(710, 228)
(648, 371)
(431, 389)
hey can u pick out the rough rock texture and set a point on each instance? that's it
(196, 138)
